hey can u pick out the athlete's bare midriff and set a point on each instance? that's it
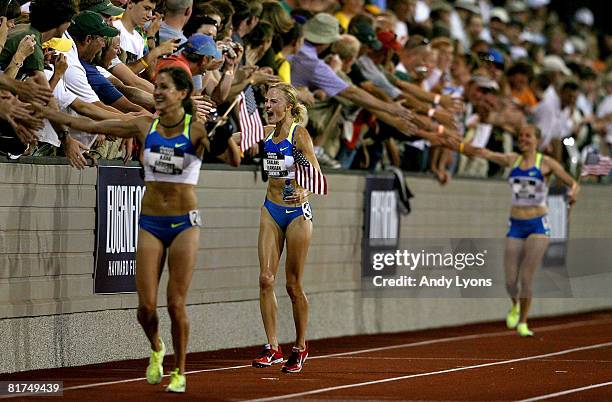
(168, 199)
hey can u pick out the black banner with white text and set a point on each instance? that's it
(119, 193)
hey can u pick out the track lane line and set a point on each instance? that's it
(566, 392)
(430, 373)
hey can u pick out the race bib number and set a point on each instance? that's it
(524, 189)
(307, 211)
(274, 164)
(167, 160)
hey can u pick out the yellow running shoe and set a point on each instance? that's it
(523, 330)
(178, 382)
(513, 316)
(155, 369)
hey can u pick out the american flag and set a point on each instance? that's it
(601, 168)
(250, 122)
(308, 176)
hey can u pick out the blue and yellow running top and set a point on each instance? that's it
(528, 185)
(172, 160)
(278, 158)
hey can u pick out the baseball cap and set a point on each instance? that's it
(500, 14)
(203, 45)
(555, 63)
(389, 41)
(59, 44)
(103, 7)
(91, 23)
(584, 16)
(366, 35)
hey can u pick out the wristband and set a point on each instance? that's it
(436, 100)
(461, 147)
(144, 63)
(431, 112)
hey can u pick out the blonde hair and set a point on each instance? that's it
(298, 111)
(346, 47)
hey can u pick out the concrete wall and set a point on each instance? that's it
(49, 316)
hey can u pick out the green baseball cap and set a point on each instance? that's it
(91, 23)
(103, 7)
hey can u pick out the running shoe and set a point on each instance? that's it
(155, 369)
(513, 316)
(268, 356)
(296, 361)
(178, 382)
(523, 330)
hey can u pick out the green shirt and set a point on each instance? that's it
(34, 62)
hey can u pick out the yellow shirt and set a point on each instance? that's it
(284, 68)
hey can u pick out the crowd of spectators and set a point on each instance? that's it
(395, 82)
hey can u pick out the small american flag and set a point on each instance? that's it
(250, 122)
(307, 175)
(601, 168)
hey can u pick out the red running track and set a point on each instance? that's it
(569, 358)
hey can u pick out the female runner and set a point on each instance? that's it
(527, 239)
(173, 149)
(286, 218)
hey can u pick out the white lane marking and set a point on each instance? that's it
(405, 345)
(568, 391)
(405, 377)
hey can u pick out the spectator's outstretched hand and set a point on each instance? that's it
(30, 92)
(127, 144)
(12, 109)
(74, 152)
(400, 111)
(446, 118)
(454, 105)
(261, 77)
(3, 30)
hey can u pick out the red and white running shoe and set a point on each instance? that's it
(296, 360)
(268, 356)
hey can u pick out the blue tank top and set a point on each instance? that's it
(172, 160)
(278, 158)
(529, 187)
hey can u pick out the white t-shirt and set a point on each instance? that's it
(132, 43)
(64, 99)
(605, 108)
(75, 77)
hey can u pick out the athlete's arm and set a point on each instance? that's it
(557, 170)
(303, 143)
(501, 159)
(135, 127)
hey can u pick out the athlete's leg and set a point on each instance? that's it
(535, 248)
(181, 262)
(149, 260)
(298, 234)
(269, 247)
(512, 256)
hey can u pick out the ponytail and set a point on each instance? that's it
(299, 113)
(189, 106)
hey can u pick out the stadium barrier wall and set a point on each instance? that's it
(49, 316)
